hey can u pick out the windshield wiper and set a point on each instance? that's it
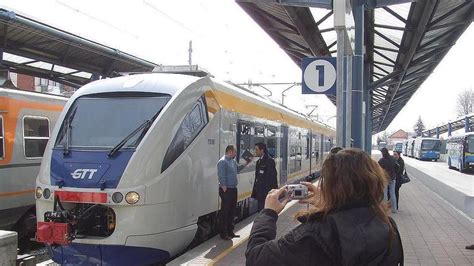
(141, 128)
(67, 132)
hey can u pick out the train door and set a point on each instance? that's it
(284, 155)
(309, 148)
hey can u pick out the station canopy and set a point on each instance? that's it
(404, 41)
(34, 48)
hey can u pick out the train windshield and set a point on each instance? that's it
(103, 121)
(470, 144)
(430, 145)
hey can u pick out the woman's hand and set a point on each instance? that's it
(272, 201)
(314, 194)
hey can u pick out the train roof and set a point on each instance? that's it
(31, 94)
(174, 83)
(427, 138)
(149, 82)
(461, 135)
(268, 103)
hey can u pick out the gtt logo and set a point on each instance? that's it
(83, 173)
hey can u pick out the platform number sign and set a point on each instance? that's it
(319, 75)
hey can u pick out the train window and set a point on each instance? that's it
(244, 134)
(2, 151)
(271, 141)
(35, 136)
(259, 135)
(192, 124)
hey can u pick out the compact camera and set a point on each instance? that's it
(297, 191)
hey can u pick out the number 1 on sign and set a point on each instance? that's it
(320, 70)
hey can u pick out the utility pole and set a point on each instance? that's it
(190, 52)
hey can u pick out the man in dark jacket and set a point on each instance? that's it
(400, 173)
(265, 175)
(390, 165)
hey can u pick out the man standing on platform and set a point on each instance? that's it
(227, 170)
(265, 175)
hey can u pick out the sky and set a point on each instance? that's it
(230, 45)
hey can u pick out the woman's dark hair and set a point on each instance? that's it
(385, 153)
(349, 176)
(397, 152)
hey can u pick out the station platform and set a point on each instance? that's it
(433, 230)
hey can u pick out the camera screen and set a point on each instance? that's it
(298, 192)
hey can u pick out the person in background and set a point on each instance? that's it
(227, 170)
(400, 172)
(347, 225)
(335, 150)
(389, 164)
(265, 175)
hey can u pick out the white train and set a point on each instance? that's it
(426, 148)
(129, 176)
(26, 120)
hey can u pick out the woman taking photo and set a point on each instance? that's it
(348, 223)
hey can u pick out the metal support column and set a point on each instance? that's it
(358, 74)
(449, 129)
(349, 102)
(437, 132)
(340, 89)
(368, 108)
(467, 126)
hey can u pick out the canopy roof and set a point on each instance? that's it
(404, 41)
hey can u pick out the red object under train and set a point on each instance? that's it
(53, 233)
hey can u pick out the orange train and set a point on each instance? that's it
(26, 121)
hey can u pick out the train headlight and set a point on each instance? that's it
(117, 197)
(46, 193)
(132, 197)
(39, 192)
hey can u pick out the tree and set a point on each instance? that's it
(379, 140)
(465, 102)
(419, 127)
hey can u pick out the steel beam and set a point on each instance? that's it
(414, 38)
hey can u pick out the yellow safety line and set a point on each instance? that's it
(233, 247)
(16, 193)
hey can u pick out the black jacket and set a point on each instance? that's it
(400, 171)
(265, 177)
(351, 236)
(390, 166)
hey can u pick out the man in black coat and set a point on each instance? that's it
(265, 175)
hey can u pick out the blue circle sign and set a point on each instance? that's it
(319, 75)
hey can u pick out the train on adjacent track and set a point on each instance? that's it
(460, 152)
(26, 120)
(129, 175)
(426, 148)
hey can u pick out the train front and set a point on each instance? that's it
(90, 204)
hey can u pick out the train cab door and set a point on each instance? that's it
(284, 155)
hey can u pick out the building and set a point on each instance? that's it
(30, 83)
(398, 136)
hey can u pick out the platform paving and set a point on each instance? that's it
(433, 232)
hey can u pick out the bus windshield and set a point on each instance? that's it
(470, 144)
(102, 122)
(430, 145)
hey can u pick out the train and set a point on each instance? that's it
(426, 148)
(460, 152)
(398, 147)
(410, 147)
(26, 120)
(129, 175)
